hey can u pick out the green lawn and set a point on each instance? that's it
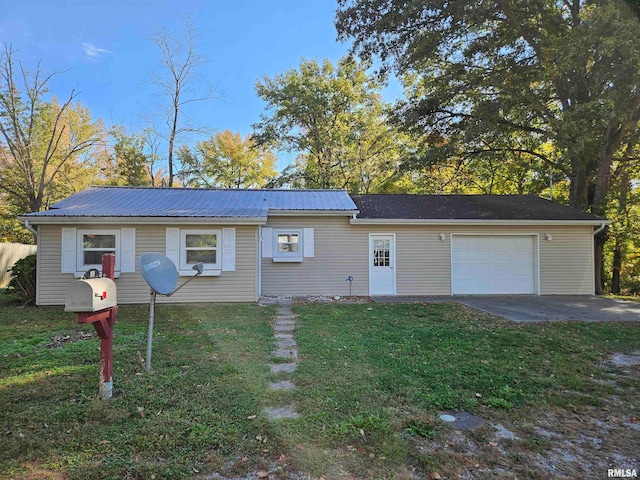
(371, 381)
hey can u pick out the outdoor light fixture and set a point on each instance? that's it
(547, 236)
(442, 236)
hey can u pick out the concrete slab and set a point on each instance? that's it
(463, 420)
(283, 385)
(287, 344)
(284, 328)
(539, 308)
(289, 353)
(284, 336)
(525, 308)
(285, 321)
(283, 367)
(281, 412)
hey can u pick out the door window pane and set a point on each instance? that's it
(381, 253)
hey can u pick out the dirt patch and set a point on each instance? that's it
(59, 340)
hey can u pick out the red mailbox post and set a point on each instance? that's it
(103, 321)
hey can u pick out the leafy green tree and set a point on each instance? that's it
(46, 146)
(335, 117)
(554, 72)
(128, 164)
(227, 160)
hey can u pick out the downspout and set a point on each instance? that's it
(259, 261)
(599, 229)
(28, 226)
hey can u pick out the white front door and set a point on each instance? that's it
(382, 264)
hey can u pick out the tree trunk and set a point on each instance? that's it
(579, 188)
(623, 196)
(598, 260)
(616, 264)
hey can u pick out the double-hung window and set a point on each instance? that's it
(93, 244)
(200, 246)
(288, 245)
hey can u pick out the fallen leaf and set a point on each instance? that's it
(244, 459)
(251, 417)
(493, 444)
(262, 474)
(140, 411)
(478, 395)
(362, 432)
(104, 442)
(194, 469)
(434, 476)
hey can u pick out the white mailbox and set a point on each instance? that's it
(90, 295)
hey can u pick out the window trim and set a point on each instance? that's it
(288, 256)
(80, 233)
(212, 268)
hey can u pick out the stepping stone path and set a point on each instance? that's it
(287, 349)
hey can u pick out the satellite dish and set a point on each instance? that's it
(159, 272)
(162, 275)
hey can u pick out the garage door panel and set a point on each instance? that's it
(493, 264)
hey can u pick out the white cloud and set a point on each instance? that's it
(92, 51)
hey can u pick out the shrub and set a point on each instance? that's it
(23, 281)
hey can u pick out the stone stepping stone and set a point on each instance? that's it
(283, 367)
(284, 328)
(283, 385)
(285, 322)
(286, 343)
(284, 336)
(284, 310)
(281, 412)
(290, 353)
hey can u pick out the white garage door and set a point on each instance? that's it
(493, 264)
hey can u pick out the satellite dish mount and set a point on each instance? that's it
(161, 275)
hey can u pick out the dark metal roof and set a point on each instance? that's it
(194, 202)
(465, 207)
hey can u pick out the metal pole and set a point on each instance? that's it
(152, 308)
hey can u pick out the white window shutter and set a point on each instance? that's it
(309, 242)
(173, 246)
(128, 250)
(68, 263)
(229, 249)
(267, 242)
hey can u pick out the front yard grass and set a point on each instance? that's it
(371, 382)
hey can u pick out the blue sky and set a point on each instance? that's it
(105, 51)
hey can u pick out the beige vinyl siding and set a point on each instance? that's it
(423, 261)
(237, 286)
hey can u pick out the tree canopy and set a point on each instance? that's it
(488, 77)
(47, 147)
(227, 160)
(334, 116)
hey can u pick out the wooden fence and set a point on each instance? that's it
(10, 253)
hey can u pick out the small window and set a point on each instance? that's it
(381, 253)
(288, 245)
(200, 246)
(93, 244)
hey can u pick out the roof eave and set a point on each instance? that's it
(454, 221)
(321, 213)
(112, 220)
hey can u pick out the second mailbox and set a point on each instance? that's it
(90, 295)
